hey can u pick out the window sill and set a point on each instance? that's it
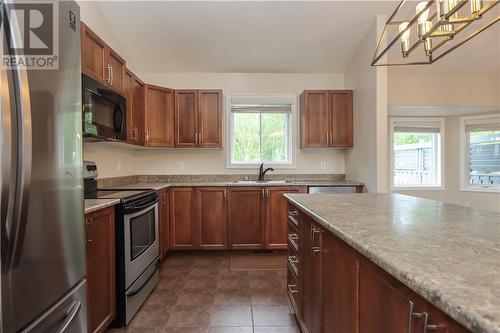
(480, 189)
(418, 188)
(257, 165)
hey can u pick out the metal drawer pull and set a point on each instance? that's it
(314, 231)
(293, 212)
(293, 259)
(424, 315)
(293, 236)
(292, 288)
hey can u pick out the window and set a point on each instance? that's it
(417, 150)
(480, 153)
(260, 131)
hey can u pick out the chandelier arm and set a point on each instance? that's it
(474, 34)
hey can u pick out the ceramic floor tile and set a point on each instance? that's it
(230, 330)
(276, 329)
(195, 297)
(231, 315)
(172, 283)
(269, 297)
(190, 316)
(204, 271)
(272, 315)
(200, 282)
(162, 298)
(185, 330)
(231, 297)
(232, 282)
(151, 316)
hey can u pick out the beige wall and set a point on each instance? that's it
(367, 160)
(451, 192)
(115, 159)
(416, 88)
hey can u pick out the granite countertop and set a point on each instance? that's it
(448, 254)
(159, 186)
(92, 205)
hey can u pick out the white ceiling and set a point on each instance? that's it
(265, 36)
(256, 37)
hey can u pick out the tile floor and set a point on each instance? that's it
(199, 293)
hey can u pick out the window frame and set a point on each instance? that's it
(439, 156)
(292, 130)
(464, 172)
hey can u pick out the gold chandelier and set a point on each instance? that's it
(437, 23)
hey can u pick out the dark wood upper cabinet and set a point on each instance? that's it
(159, 117)
(134, 92)
(100, 62)
(182, 218)
(100, 265)
(163, 219)
(276, 215)
(339, 285)
(340, 122)
(314, 119)
(198, 118)
(210, 119)
(326, 119)
(211, 217)
(246, 229)
(94, 55)
(186, 118)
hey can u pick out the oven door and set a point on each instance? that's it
(141, 241)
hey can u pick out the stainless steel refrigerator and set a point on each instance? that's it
(42, 228)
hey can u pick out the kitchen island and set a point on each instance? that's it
(392, 263)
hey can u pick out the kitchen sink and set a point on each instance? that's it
(262, 182)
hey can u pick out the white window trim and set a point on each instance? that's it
(292, 131)
(417, 120)
(464, 173)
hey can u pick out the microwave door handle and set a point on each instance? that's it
(122, 119)
(24, 146)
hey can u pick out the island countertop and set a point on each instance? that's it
(448, 254)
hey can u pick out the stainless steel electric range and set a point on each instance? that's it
(137, 243)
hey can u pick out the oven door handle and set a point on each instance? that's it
(132, 209)
(133, 292)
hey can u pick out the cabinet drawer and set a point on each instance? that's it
(293, 290)
(293, 242)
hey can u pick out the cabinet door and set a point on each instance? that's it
(210, 118)
(100, 262)
(182, 218)
(311, 270)
(340, 118)
(314, 119)
(211, 217)
(138, 90)
(164, 227)
(186, 118)
(129, 95)
(118, 68)
(382, 305)
(94, 55)
(339, 285)
(277, 215)
(245, 218)
(159, 117)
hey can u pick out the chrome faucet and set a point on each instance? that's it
(262, 172)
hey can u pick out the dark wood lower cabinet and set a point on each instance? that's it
(211, 217)
(182, 222)
(163, 219)
(246, 230)
(339, 285)
(100, 262)
(276, 215)
(338, 290)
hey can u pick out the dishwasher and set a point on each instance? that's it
(332, 189)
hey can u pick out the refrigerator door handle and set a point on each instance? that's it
(24, 156)
(71, 314)
(8, 166)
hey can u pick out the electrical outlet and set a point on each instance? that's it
(466, 204)
(180, 166)
(119, 166)
(323, 165)
(129, 165)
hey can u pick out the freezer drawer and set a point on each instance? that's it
(69, 315)
(332, 189)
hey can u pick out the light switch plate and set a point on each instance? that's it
(180, 166)
(323, 165)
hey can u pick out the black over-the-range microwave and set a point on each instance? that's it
(104, 112)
